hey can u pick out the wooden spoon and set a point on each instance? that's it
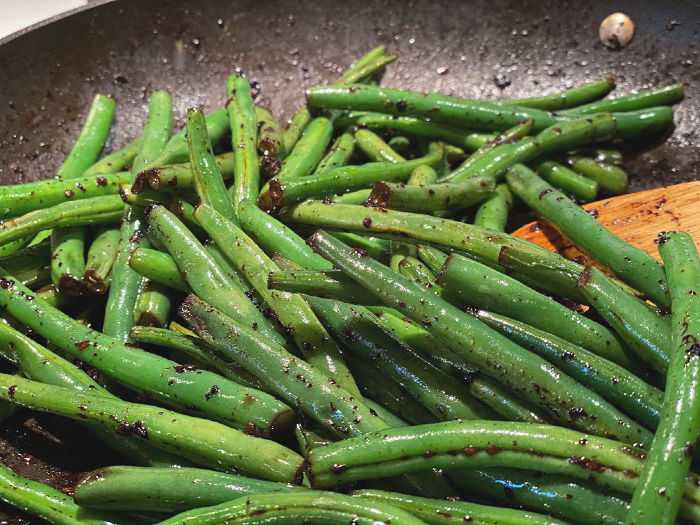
(636, 217)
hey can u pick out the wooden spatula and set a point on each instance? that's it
(636, 217)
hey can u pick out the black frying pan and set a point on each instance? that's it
(128, 48)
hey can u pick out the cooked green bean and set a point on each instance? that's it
(100, 259)
(561, 496)
(200, 440)
(269, 143)
(291, 310)
(194, 347)
(360, 72)
(40, 364)
(400, 144)
(31, 265)
(68, 259)
(496, 160)
(163, 379)
(651, 97)
(281, 192)
(609, 156)
(297, 507)
(611, 179)
(276, 237)
(153, 305)
(125, 283)
(338, 155)
(207, 178)
(353, 197)
(567, 180)
(204, 276)
(175, 177)
(169, 490)
(115, 161)
(92, 137)
(291, 378)
(358, 330)
(10, 247)
(19, 199)
(331, 284)
(308, 150)
(437, 512)
(374, 147)
(537, 381)
(477, 285)
(493, 212)
(47, 502)
(634, 266)
(159, 267)
(422, 175)
(659, 492)
(296, 127)
(413, 269)
(473, 114)
(615, 383)
(431, 197)
(570, 98)
(244, 135)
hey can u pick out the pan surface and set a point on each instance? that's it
(129, 48)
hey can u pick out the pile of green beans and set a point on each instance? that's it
(362, 340)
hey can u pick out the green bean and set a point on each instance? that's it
(659, 492)
(244, 134)
(177, 148)
(97, 210)
(454, 111)
(163, 379)
(281, 192)
(16, 200)
(652, 97)
(159, 267)
(10, 247)
(153, 305)
(204, 276)
(308, 150)
(100, 259)
(607, 156)
(291, 310)
(413, 269)
(30, 265)
(374, 147)
(400, 144)
(296, 126)
(537, 381)
(439, 511)
(561, 136)
(193, 347)
(358, 73)
(92, 136)
(493, 212)
(125, 283)
(645, 331)
(474, 284)
(68, 259)
(362, 335)
(615, 383)
(184, 211)
(567, 180)
(570, 98)
(338, 155)
(40, 364)
(378, 249)
(115, 161)
(494, 249)
(269, 143)
(47, 502)
(372, 55)
(331, 284)
(175, 177)
(297, 507)
(634, 266)
(169, 490)
(207, 178)
(611, 179)
(291, 378)
(433, 197)
(422, 175)
(275, 237)
(353, 197)
(229, 269)
(557, 495)
(200, 440)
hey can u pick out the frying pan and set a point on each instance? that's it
(49, 74)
